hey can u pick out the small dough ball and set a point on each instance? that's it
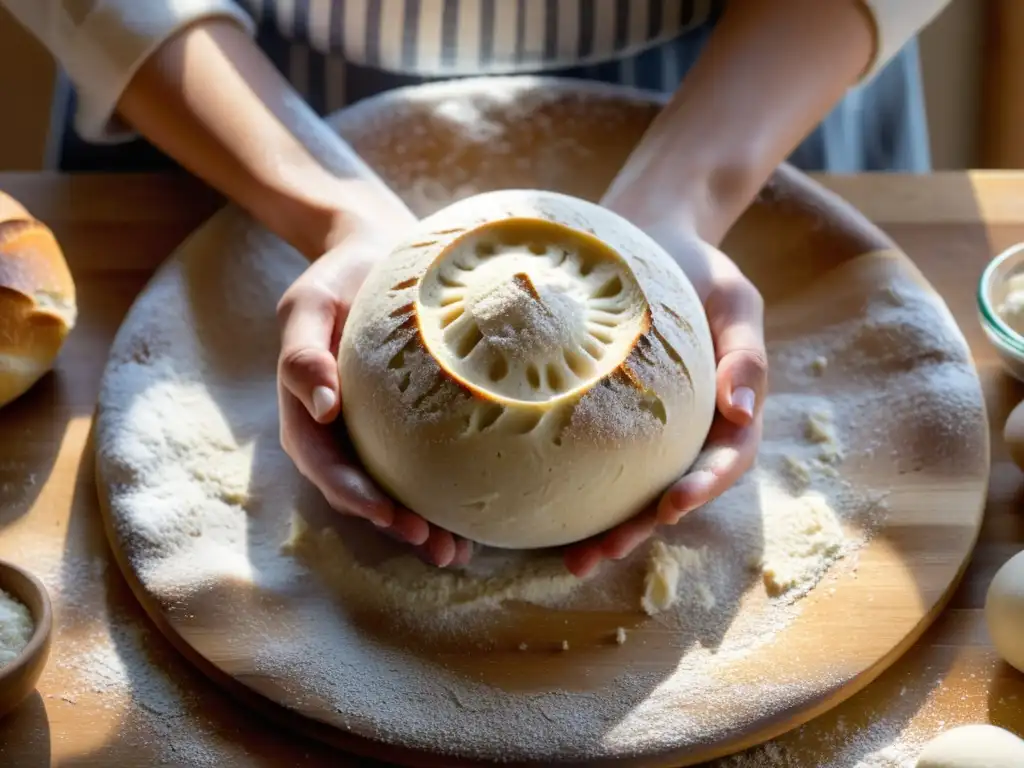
(973, 746)
(1004, 611)
(527, 370)
(37, 299)
(1013, 435)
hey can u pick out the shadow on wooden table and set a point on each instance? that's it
(30, 445)
(31, 718)
(1005, 706)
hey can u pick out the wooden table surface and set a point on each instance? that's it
(115, 693)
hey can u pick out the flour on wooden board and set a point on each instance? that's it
(790, 538)
(202, 500)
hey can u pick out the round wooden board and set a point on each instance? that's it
(816, 261)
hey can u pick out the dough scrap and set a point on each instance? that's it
(804, 542)
(667, 565)
(1004, 611)
(973, 746)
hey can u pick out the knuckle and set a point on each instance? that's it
(301, 360)
(303, 297)
(286, 305)
(757, 361)
(737, 293)
(722, 297)
(750, 367)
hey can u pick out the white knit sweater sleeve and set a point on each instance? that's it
(101, 43)
(896, 21)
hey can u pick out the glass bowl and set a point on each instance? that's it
(992, 290)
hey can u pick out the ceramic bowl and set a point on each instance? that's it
(992, 289)
(18, 677)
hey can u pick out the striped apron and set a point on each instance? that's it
(336, 52)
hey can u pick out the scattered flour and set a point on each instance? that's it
(15, 628)
(405, 584)
(157, 713)
(108, 659)
(791, 537)
(337, 624)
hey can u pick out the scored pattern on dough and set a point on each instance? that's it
(671, 351)
(681, 322)
(605, 309)
(531, 313)
(529, 310)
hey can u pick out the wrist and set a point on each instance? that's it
(320, 211)
(707, 195)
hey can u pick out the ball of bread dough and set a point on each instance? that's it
(38, 306)
(1013, 435)
(973, 746)
(526, 370)
(1004, 611)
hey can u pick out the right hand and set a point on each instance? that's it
(312, 316)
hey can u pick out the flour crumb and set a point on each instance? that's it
(523, 647)
(297, 529)
(565, 645)
(667, 564)
(818, 365)
(237, 498)
(797, 471)
(806, 537)
(620, 635)
(820, 428)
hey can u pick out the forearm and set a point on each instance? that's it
(211, 99)
(770, 72)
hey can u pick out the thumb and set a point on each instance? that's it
(737, 325)
(307, 367)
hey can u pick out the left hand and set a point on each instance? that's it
(312, 314)
(735, 312)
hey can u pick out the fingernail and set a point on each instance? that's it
(744, 399)
(323, 401)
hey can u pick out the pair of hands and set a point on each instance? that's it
(312, 316)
